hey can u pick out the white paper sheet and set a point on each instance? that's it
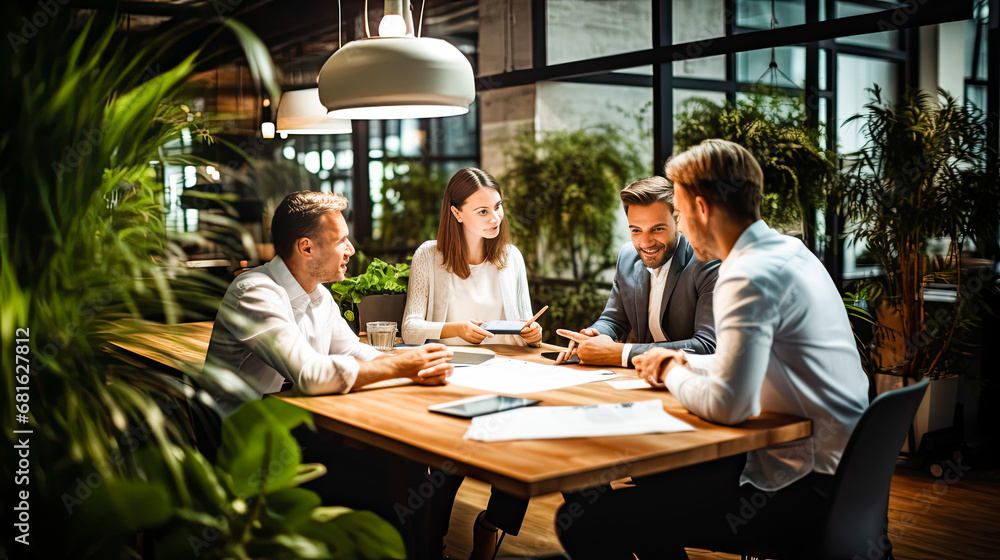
(623, 384)
(514, 377)
(550, 422)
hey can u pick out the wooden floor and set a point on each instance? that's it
(955, 516)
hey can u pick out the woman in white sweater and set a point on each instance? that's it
(471, 274)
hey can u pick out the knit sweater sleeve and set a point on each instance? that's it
(417, 328)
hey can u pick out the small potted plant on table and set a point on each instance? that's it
(377, 295)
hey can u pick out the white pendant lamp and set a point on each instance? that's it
(300, 112)
(396, 75)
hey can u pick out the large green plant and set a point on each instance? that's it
(926, 170)
(561, 198)
(799, 176)
(411, 204)
(84, 247)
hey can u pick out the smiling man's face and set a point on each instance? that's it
(654, 232)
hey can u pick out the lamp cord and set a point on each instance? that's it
(420, 24)
(772, 67)
(506, 37)
(340, 27)
(367, 32)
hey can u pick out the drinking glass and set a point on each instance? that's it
(381, 335)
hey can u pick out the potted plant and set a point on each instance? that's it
(379, 294)
(927, 171)
(798, 174)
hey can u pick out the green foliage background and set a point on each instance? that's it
(84, 257)
(562, 196)
(799, 175)
(411, 204)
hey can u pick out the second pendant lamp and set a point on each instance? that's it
(300, 112)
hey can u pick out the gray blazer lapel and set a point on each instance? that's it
(681, 257)
(640, 279)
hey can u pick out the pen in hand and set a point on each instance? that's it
(533, 319)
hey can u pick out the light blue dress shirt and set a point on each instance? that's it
(784, 345)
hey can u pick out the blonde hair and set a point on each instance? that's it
(299, 216)
(724, 174)
(451, 236)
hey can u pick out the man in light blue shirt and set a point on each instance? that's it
(784, 344)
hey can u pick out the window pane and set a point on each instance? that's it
(754, 66)
(756, 14)
(454, 136)
(855, 75)
(712, 68)
(976, 95)
(411, 138)
(698, 20)
(575, 106)
(883, 40)
(695, 20)
(579, 29)
(822, 69)
(822, 109)
(976, 55)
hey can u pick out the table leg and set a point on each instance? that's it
(506, 512)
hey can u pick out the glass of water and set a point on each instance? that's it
(381, 335)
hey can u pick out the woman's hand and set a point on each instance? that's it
(469, 331)
(532, 334)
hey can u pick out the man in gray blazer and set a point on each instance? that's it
(662, 294)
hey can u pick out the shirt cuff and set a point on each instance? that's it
(434, 332)
(626, 350)
(347, 368)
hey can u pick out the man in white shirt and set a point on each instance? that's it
(785, 345)
(662, 294)
(277, 323)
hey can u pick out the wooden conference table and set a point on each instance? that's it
(395, 419)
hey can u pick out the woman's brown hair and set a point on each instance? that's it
(451, 236)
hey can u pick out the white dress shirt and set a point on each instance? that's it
(657, 281)
(269, 329)
(785, 345)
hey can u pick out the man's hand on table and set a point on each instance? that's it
(653, 365)
(426, 365)
(593, 348)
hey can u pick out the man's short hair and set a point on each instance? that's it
(723, 173)
(647, 191)
(299, 216)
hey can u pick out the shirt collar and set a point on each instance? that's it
(296, 295)
(751, 235)
(660, 272)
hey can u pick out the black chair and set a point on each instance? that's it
(856, 524)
